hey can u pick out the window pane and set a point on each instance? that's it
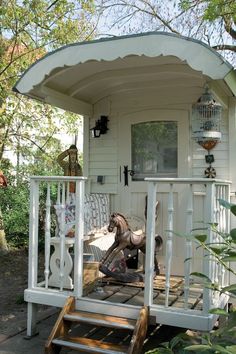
(154, 149)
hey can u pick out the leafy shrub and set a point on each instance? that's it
(222, 340)
(15, 203)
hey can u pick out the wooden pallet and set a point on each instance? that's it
(159, 283)
(62, 334)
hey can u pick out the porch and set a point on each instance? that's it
(185, 204)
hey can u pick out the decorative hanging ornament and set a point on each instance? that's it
(210, 172)
(206, 119)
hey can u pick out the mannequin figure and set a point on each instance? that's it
(72, 166)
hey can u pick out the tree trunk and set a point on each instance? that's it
(3, 241)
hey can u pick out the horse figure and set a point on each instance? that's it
(126, 238)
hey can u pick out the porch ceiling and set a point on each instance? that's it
(78, 75)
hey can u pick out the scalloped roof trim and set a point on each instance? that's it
(198, 55)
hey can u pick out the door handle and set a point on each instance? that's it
(126, 173)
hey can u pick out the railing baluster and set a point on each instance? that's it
(47, 235)
(68, 193)
(58, 202)
(62, 237)
(188, 245)
(169, 243)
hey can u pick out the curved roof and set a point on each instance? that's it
(82, 73)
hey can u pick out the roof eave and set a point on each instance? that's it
(230, 80)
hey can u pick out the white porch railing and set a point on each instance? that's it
(53, 193)
(56, 201)
(210, 191)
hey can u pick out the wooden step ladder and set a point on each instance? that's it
(62, 333)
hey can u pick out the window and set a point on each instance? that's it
(154, 149)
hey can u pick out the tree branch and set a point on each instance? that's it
(225, 47)
(29, 139)
(229, 29)
(52, 4)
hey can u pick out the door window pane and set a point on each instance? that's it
(154, 149)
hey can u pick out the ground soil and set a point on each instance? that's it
(13, 282)
(13, 309)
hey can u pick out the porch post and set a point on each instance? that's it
(150, 243)
(33, 254)
(227, 275)
(79, 234)
(207, 262)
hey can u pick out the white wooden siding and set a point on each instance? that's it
(103, 156)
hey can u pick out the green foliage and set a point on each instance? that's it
(220, 8)
(222, 340)
(213, 9)
(15, 199)
(30, 29)
(31, 128)
(218, 341)
(15, 209)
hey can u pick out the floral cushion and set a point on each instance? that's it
(96, 213)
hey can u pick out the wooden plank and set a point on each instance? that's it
(119, 297)
(60, 328)
(140, 331)
(104, 292)
(119, 336)
(160, 300)
(94, 346)
(158, 283)
(107, 307)
(130, 290)
(100, 294)
(100, 319)
(139, 298)
(112, 287)
(195, 294)
(199, 305)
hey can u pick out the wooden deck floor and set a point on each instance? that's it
(133, 293)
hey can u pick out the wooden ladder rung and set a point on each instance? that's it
(90, 345)
(100, 320)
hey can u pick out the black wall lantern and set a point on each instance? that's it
(100, 127)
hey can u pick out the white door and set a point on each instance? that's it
(153, 143)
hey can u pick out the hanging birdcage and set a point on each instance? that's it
(206, 119)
